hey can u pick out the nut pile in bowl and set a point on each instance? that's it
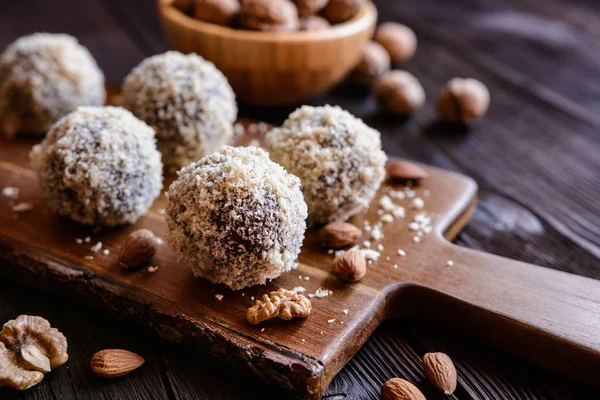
(272, 15)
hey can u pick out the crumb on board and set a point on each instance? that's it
(78, 240)
(87, 239)
(152, 269)
(10, 192)
(331, 321)
(95, 248)
(449, 263)
(106, 252)
(22, 207)
(299, 289)
(320, 293)
(262, 329)
(219, 297)
(345, 311)
(89, 257)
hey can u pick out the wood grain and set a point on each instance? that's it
(273, 68)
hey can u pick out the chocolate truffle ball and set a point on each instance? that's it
(236, 217)
(99, 166)
(43, 77)
(337, 157)
(188, 102)
(269, 15)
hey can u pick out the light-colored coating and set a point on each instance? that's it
(99, 166)
(43, 77)
(187, 100)
(337, 157)
(236, 217)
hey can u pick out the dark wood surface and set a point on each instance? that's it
(535, 158)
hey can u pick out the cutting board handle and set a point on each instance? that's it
(550, 317)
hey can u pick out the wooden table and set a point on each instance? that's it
(536, 158)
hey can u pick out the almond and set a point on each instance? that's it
(405, 171)
(350, 267)
(138, 249)
(340, 234)
(399, 389)
(440, 371)
(113, 363)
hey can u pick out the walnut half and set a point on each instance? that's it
(29, 348)
(283, 304)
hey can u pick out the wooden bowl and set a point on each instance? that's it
(272, 69)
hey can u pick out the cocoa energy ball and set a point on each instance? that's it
(463, 100)
(43, 77)
(399, 92)
(374, 62)
(236, 217)
(399, 40)
(337, 157)
(187, 100)
(269, 15)
(220, 12)
(309, 7)
(338, 11)
(99, 166)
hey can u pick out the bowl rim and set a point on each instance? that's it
(365, 17)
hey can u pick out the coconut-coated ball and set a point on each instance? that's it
(337, 157)
(43, 77)
(187, 100)
(236, 217)
(99, 166)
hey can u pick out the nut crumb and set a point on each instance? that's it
(449, 263)
(320, 293)
(152, 269)
(22, 207)
(299, 289)
(87, 239)
(262, 330)
(106, 252)
(219, 297)
(95, 248)
(416, 239)
(395, 266)
(345, 311)
(331, 321)
(10, 192)
(78, 241)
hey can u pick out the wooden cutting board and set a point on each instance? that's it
(549, 317)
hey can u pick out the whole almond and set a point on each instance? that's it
(340, 234)
(351, 266)
(440, 371)
(405, 171)
(399, 389)
(113, 363)
(138, 249)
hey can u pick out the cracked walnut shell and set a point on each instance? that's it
(29, 348)
(283, 304)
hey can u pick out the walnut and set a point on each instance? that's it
(399, 40)
(29, 348)
(399, 92)
(309, 7)
(374, 62)
(338, 11)
(283, 304)
(463, 100)
(314, 23)
(220, 12)
(269, 15)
